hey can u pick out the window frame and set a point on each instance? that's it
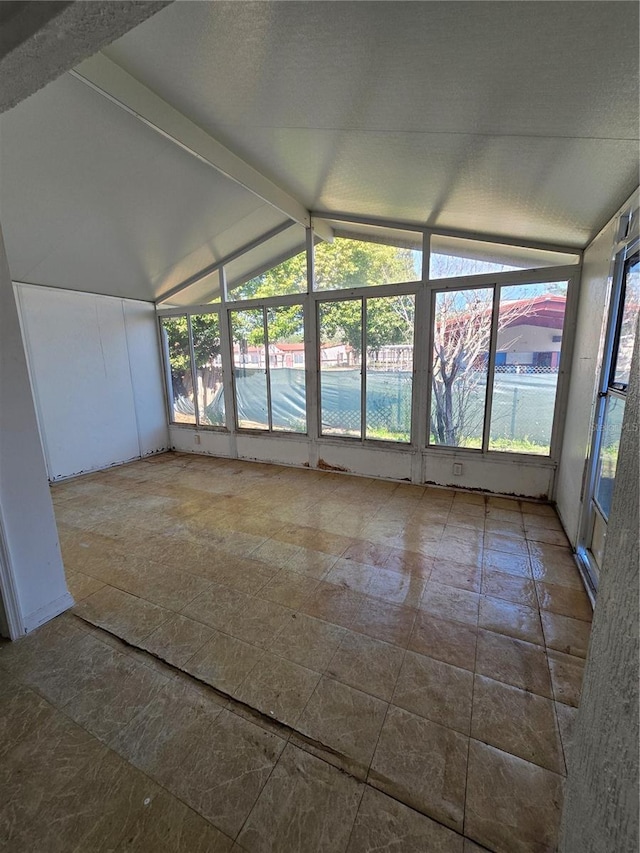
(422, 289)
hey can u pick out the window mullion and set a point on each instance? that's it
(488, 399)
(194, 372)
(267, 368)
(363, 369)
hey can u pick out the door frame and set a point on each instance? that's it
(590, 480)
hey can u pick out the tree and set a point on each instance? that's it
(461, 338)
(206, 347)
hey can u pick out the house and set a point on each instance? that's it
(385, 166)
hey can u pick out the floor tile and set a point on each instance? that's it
(165, 825)
(370, 553)
(224, 662)
(177, 639)
(512, 806)
(126, 615)
(278, 688)
(38, 768)
(512, 564)
(22, 712)
(509, 544)
(390, 586)
(514, 620)
(81, 586)
(514, 662)
(307, 805)
(308, 641)
(448, 602)
(381, 620)
(456, 574)
(288, 588)
(259, 621)
(223, 777)
(345, 720)
(94, 810)
(564, 634)
(565, 601)
(566, 677)
(385, 824)
(438, 691)
(157, 739)
(109, 689)
(517, 722)
(566, 722)
(366, 664)
(519, 590)
(351, 575)
(334, 604)
(422, 764)
(241, 573)
(314, 564)
(409, 562)
(218, 606)
(553, 564)
(450, 642)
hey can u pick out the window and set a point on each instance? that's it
(348, 263)
(195, 387)
(452, 257)
(368, 397)
(460, 358)
(275, 267)
(528, 340)
(626, 330)
(628, 310)
(269, 382)
(205, 329)
(528, 350)
(177, 351)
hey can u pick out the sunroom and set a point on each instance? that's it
(317, 360)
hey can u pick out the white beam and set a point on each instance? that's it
(118, 86)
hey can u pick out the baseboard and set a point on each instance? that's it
(49, 611)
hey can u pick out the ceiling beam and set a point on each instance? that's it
(111, 81)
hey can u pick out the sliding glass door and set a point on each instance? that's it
(607, 428)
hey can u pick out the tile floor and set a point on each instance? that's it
(274, 659)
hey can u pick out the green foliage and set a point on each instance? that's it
(206, 340)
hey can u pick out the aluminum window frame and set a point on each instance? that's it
(422, 290)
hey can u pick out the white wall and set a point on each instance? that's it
(31, 572)
(96, 375)
(595, 286)
(499, 473)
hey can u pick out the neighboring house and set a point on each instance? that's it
(532, 341)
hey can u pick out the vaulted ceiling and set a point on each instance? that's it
(514, 119)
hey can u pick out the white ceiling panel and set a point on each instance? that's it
(91, 199)
(512, 119)
(396, 109)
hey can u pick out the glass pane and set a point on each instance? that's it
(288, 277)
(389, 326)
(273, 268)
(356, 263)
(175, 338)
(630, 311)
(285, 329)
(530, 324)
(461, 333)
(340, 326)
(608, 458)
(249, 368)
(453, 256)
(205, 329)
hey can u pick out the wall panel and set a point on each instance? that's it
(96, 378)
